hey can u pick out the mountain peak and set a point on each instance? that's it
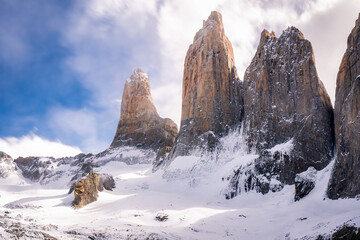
(215, 17)
(294, 32)
(138, 76)
(140, 124)
(265, 36)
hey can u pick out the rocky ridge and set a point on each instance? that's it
(212, 92)
(345, 181)
(6, 165)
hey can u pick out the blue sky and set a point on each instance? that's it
(33, 76)
(63, 63)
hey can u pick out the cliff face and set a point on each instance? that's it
(140, 125)
(285, 100)
(345, 181)
(212, 91)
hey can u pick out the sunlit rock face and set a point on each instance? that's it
(345, 181)
(212, 91)
(140, 125)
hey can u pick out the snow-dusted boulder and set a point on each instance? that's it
(305, 183)
(86, 190)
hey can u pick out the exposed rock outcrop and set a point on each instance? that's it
(212, 92)
(285, 100)
(6, 165)
(86, 190)
(345, 181)
(140, 125)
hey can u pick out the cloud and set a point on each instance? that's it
(33, 145)
(108, 39)
(328, 32)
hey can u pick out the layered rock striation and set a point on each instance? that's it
(140, 125)
(212, 92)
(345, 180)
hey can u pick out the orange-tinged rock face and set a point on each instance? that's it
(86, 190)
(209, 66)
(140, 124)
(211, 98)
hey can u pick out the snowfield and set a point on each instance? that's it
(184, 201)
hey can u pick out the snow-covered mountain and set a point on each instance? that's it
(187, 200)
(252, 159)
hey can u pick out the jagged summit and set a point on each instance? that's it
(212, 29)
(214, 16)
(293, 31)
(213, 21)
(140, 124)
(138, 76)
(265, 36)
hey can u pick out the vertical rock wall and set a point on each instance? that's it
(212, 92)
(345, 181)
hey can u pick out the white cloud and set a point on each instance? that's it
(33, 145)
(89, 129)
(328, 32)
(109, 39)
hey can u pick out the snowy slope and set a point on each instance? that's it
(190, 192)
